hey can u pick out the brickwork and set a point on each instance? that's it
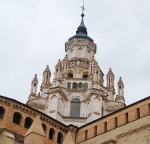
(114, 121)
(131, 123)
(12, 106)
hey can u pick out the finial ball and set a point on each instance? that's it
(82, 15)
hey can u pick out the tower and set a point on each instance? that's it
(77, 93)
(34, 85)
(120, 96)
(110, 83)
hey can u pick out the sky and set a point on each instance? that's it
(33, 35)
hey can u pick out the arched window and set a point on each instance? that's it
(74, 85)
(28, 122)
(44, 127)
(59, 138)
(80, 85)
(85, 76)
(51, 133)
(70, 75)
(69, 85)
(2, 111)
(75, 108)
(85, 86)
(17, 118)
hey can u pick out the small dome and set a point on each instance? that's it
(81, 31)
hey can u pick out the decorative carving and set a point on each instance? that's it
(52, 111)
(96, 113)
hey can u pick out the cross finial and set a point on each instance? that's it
(83, 9)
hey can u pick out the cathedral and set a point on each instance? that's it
(76, 107)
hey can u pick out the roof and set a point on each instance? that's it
(120, 82)
(36, 127)
(47, 70)
(81, 32)
(68, 139)
(110, 72)
(35, 79)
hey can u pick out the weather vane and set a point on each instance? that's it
(83, 9)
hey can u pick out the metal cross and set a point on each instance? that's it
(83, 8)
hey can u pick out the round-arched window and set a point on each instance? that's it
(75, 108)
(74, 85)
(85, 76)
(28, 122)
(85, 86)
(69, 85)
(59, 138)
(80, 85)
(51, 133)
(70, 75)
(17, 118)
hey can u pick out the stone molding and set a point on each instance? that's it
(109, 142)
(80, 42)
(134, 131)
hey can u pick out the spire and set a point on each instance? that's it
(46, 76)
(120, 96)
(82, 30)
(120, 82)
(110, 72)
(110, 78)
(35, 79)
(47, 70)
(34, 85)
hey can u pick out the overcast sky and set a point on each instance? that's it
(33, 34)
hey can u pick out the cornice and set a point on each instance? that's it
(109, 142)
(55, 124)
(5, 101)
(134, 131)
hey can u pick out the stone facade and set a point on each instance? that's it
(78, 80)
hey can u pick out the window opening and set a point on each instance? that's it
(2, 111)
(116, 122)
(17, 118)
(86, 133)
(95, 131)
(80, 85)
(28, 122)
(74, 85)
(68, 85)
(138, 113)
(44, 127)
(85, 76)
(126, 117)
(85, 86)
(70, 75)
(59, 138)
(51, 133)
(75, 108)
(105, 127)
